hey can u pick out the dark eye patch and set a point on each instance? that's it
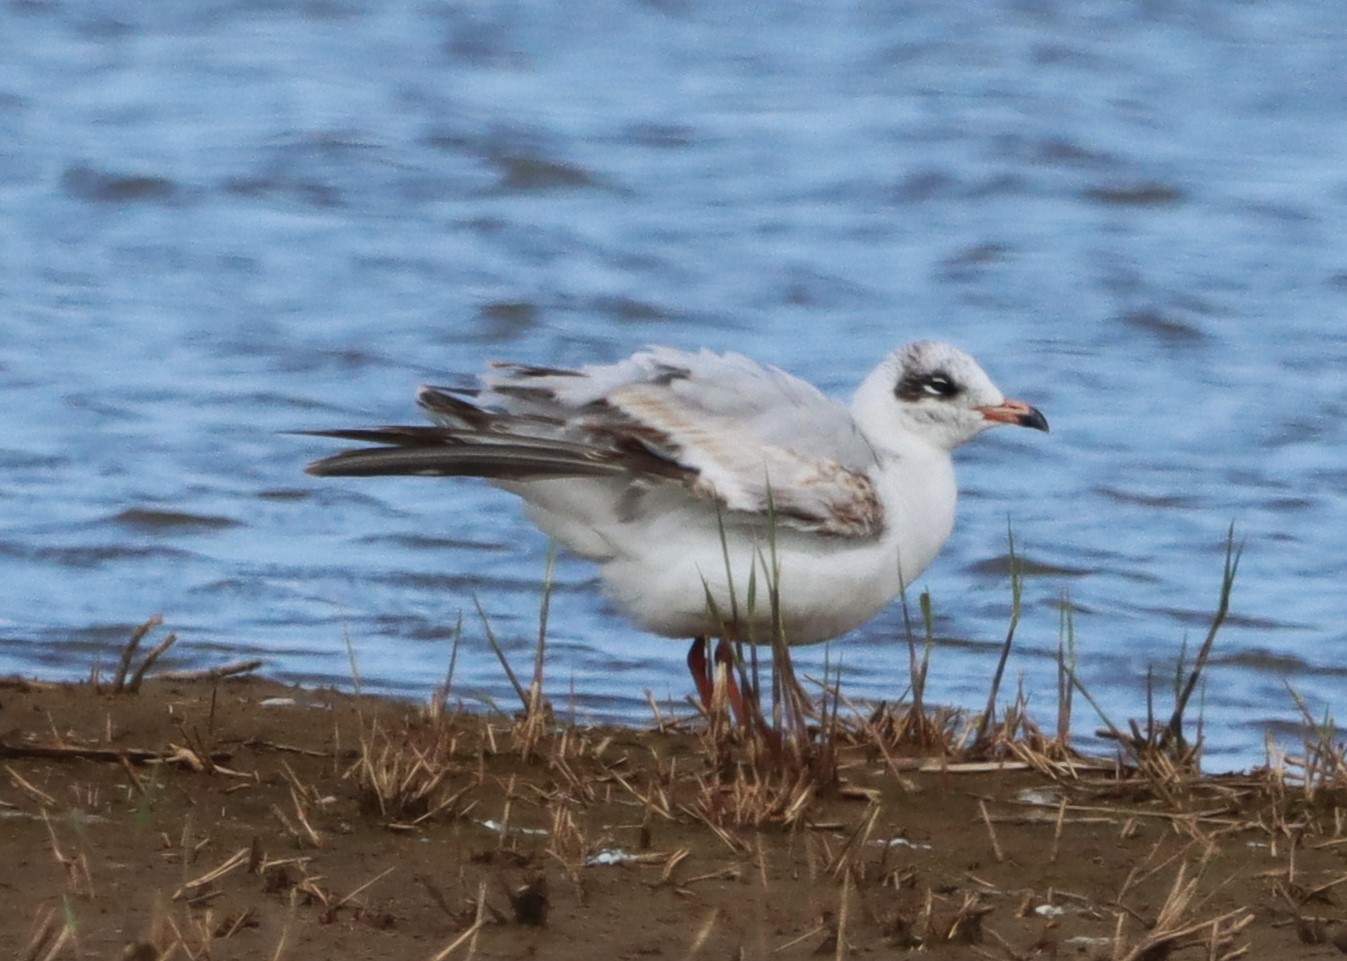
(931, 384)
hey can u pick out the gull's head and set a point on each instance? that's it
(937, 393)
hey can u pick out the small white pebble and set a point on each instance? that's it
(610, 856)
(902, 843)
(1038, 797)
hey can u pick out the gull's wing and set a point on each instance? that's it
(752, 438)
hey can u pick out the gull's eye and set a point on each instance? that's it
(937, 384)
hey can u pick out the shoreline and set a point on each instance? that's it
(248, 818)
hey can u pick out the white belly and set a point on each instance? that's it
(666, 567)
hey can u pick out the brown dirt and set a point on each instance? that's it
(103, 854)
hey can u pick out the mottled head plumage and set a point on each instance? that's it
(934, 392)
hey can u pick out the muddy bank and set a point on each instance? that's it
(247, 819)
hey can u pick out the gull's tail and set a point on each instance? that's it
(470, 442)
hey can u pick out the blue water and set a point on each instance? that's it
(226, 220)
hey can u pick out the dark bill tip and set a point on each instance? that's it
(1034, 418)
(1016, 412)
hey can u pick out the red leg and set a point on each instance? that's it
(725, 655)
(704, 675)
(701, 671)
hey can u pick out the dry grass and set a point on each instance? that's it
(128, 681)
(404, 777)
(1320, 770)
(1179, 924)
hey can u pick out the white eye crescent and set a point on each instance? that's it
(938, 385)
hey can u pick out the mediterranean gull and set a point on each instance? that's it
(693, 478)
